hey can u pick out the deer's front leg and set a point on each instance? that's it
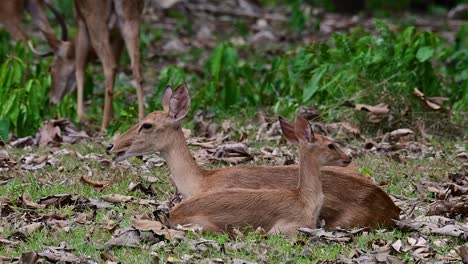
(82, 49)
(129, 23)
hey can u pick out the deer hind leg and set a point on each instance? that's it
(285, 227)
(196, 220)
(99, 35)
(81, 53)
(129, 21)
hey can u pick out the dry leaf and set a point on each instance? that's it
(25, 200)
(96, 184)
(432, 102)
(127, 237)
(116, 198)
(148, 225)
(49, 133)
(85, 218)
(28, 229)
(58, 254)
(380, 109)
(109, 258)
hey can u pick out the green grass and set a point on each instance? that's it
(88, 240)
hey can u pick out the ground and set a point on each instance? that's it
(85, 230)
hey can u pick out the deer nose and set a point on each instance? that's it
(109, 148)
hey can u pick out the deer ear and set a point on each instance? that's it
(288, 131)
(179, 104)
(166, 98)
(303, 130)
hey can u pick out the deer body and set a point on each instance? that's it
(102, 27)
(350, 199)
(11, 12)
(276, 210)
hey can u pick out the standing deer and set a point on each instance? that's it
(280, 210)
(11, 13)
(102, 27)
(160, 131)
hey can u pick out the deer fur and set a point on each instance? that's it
(102, 27)
(11, 13)
(275, 210)
(351, 200)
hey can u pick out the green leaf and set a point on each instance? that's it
(366, 171)
(215, 62)
(424, 53)
(4, 129)
(313, 85)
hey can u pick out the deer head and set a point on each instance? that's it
(301, 133)
(63, 67)
(157, 131)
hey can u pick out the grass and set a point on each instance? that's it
(88, 240)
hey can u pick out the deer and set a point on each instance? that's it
(11, 12)
(102, 29)
(351, 200)
(277, 211)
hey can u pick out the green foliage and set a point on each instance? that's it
(357, 66)
(297, 19)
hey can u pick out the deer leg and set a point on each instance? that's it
(81, 53)
(109, 75)
(200, 221)
(100, 40)
(130, 30)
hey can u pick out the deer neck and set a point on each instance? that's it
(185, 172)
(309, 173)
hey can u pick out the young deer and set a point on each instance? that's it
(275, 210)
(160, 131)
(102, 26)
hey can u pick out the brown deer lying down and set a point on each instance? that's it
(351, 200)
(280, 210)
(102, 26)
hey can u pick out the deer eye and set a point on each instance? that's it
(331, 146)
(147, 126)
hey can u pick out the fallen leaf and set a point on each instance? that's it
(116, 198)
(148, 225)
(49, 133)
(25, 201)
(29, 229)
(23, 142)
(85, 218)
(109, 258)
(397, 245)
(29, 257)
(380, 109)
(4, 241)
(96, 184)
(58, 254)
(128, 237)
(432, 102)
(232, 153)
